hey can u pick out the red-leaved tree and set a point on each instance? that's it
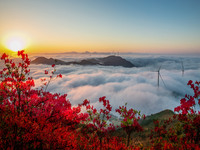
(130, 121)
(33, 118)
(183, 130)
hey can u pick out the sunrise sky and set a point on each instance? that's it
(143, 26)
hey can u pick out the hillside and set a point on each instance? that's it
(163, 115)
(148, 125)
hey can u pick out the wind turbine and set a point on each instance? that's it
(182, 68)
(159, 76)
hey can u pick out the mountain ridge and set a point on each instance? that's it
(105, 61)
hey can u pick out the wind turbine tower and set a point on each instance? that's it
(182, 68)
(159, 76)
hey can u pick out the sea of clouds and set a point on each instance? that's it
(135, 86)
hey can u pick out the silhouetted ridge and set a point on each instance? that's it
(106, 61)
(116, 60)
(50, 61)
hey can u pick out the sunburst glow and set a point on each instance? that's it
(15, 44)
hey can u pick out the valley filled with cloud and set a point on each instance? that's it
(136, 86)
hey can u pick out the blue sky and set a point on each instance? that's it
(103, 25)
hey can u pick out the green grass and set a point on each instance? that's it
(161, 116)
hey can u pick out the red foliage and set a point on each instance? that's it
(130, 121)
(36, 119)
(33, 118)
(185, 132)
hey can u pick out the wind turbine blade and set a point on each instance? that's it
(159, 68)
(162, 80)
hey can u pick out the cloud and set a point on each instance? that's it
(135, 86)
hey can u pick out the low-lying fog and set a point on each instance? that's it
(136, 86)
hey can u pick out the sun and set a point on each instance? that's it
(15, 44)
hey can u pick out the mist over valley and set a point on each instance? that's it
(137, 86)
